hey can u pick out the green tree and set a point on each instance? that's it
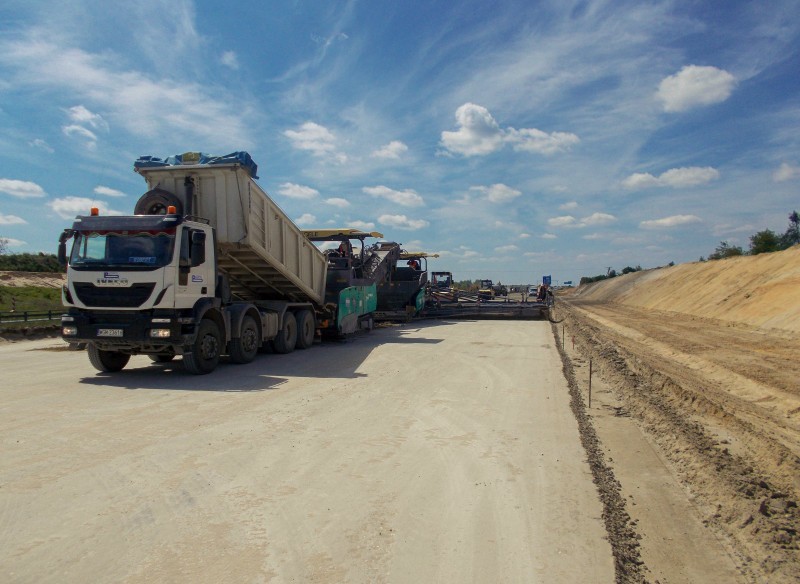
(792, 235)
(765, 241)
(725, 250)
(3, 245)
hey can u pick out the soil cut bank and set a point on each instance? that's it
(703, 357)
(762, 290)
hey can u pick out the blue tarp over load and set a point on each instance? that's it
(242, 158)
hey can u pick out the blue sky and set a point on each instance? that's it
(515, 139)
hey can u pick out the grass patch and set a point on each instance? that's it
(23, 298)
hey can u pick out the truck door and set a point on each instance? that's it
(195, 268)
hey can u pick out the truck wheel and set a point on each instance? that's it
(287, 336)
(305, 329)
(245, 348)
(204, 356)
(156, 201)
(107, 361)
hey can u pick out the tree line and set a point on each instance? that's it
(766, 241)
(27, 262)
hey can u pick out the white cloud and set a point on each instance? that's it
(786, 172)
(695, 86)
(591, 220)
(676, 177)
(337, 202)
(42, 144)
(81, 118)
(506, 248)
(568, 206)
(306, 219)
(69, 207)
(524, 235)
(597, 219)
(108, 192)
(549, 236)
(21, 188)
(316, 139)
(407, 198)
(562, 221)
(11, 220)
(498, 193)
(295, 191)
(80, 115)
(11, 242)
(145, 105)
(533, 140)
(363, 225)
(392, 151)
(76, 130)
(402, 222)
(672, 221)
(479, 134)
(229, 59)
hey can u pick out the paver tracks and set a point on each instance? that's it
(722, 401)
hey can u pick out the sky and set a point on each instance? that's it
(516, 139)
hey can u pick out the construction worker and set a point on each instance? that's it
(413, 264)
(344, 249)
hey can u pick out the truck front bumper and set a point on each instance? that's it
(132, 332)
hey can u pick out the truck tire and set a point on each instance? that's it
(204, 356)
(156, 201)
(306, 328)
(244, 348)
(287, 336)
(107, 361)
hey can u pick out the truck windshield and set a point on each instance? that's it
(143, 250)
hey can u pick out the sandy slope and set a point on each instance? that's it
(43, 279)
(762, 290)
(703, 357)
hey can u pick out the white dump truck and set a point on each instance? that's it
(207, 266)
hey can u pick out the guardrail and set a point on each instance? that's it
(31, 315)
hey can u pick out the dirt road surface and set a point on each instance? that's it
(441, 453)
(719, 403)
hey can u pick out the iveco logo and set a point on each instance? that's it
(111, 279)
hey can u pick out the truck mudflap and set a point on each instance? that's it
(132, 332)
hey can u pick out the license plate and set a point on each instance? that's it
(109, 332)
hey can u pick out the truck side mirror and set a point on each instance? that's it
(62, 253)
(62, 246)
(198, 253)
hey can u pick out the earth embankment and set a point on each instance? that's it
(704, 357)
(762, 290)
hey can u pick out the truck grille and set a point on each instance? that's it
(130, 297)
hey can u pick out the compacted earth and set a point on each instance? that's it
(707, 369)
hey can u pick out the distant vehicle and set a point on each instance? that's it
(489, 290)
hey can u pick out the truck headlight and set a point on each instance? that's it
(160, 333)
(69, 331)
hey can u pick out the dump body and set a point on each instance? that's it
(263, 253)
